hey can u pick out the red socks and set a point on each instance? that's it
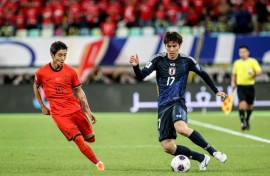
(85, 149)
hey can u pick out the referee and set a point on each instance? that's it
(245, 70)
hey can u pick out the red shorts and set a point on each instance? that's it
(73, 124)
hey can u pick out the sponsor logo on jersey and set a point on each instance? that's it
(172, 71)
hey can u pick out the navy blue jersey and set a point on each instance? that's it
(172, 75)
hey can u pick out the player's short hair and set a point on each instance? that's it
(243, 46)
(56, 46)
(172, 36)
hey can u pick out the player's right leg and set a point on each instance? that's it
(88, 135)
(167, 134)
(87, 151)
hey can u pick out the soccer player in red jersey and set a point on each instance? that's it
(70, 113)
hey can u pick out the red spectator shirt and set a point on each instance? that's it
(47, 15)
(74, 13)
(172, 12)
(20, 20)
(58, 13)
(31, 16)
(108, 28)
(58, 88)
(145, 12)
(129, 14)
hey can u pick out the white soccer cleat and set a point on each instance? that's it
(100, 166)
(222, 157)
(204, 163)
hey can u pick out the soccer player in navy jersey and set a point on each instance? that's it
(172, 69)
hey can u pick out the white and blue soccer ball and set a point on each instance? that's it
(180, 163)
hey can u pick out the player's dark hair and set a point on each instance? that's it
(172, 37)
(56, 46)
(243, 46)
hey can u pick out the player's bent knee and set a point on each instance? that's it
(168, 148)
(184, 131)
(91, 139)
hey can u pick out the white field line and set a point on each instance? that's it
(225, 130)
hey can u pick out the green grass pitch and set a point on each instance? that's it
(31, 145)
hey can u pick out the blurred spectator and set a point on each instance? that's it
(262, 13)
(172, 13)
(98, 77)
(108, 27)
(129, 14)
(145, 13)
(32, 15)
(74, 16)
(192, 17)
(242, 19)
(20, 20)
(161, 21)
(114, 11)
(69, 17)
(58, 13)
(91, 13)
(47, 14)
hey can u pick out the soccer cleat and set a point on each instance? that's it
(204, 163)
(222, 157)
(100, 166)
(243, 126)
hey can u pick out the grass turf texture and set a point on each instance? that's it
(127, 143)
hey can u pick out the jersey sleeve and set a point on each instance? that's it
(194, 66)
(147, 70)
(38, 78)
(75, 80)
(256, 66)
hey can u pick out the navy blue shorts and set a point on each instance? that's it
(167, 116)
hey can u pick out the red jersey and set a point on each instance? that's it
(58, 88)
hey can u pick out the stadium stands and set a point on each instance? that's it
(83, 17)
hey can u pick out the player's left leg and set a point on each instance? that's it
(180, 118)
(249, 112)
(249, 108)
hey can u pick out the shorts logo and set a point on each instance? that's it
(171, 71)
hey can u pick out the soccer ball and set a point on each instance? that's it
(180, 163)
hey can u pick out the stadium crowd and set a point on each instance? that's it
(79, 17)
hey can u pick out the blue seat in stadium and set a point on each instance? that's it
(135, 31)
(34, 33)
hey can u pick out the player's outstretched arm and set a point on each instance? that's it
(140, 74)
(44, 109)
(82, 97)
(222, 94)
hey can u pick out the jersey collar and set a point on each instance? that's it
(54, 69)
